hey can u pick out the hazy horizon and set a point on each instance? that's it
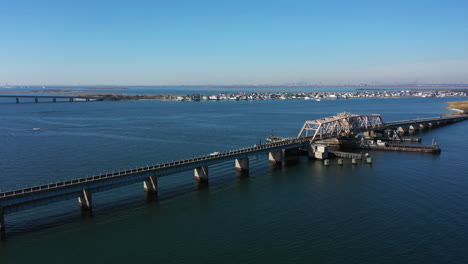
(175, 43)
(124, 86)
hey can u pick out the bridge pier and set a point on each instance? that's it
(87, 99)
(54, 100)
(36, 100)
(201, 173)
(242, 164)
(403, 129)
(70, 100)
(2, 220)
(276, 157)
(423, 126)
(371, 133)
(318, 151)
(85, 200)
(17, 100)
(150, 185)
(414, 127)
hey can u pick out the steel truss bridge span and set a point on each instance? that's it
(341, 125)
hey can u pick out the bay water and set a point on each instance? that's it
(404, 208)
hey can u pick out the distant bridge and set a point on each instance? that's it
(69, 98)
(342, 125)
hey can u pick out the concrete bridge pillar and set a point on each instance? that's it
(321, 151)
(414, 127)
(150, 185)
(242, 164)
(71, 99)
(2, 220)
(276, 157)
(370, 134)
(403, 129)
(17, 100)
(85, 200)
(317, 151)
(54, 100)
(36, 100)
(201, 173)
(87, 99)
(423, 126)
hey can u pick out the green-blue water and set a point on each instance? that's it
(405, 208)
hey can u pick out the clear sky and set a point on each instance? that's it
(233, 42)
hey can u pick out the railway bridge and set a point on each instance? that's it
(341, 125)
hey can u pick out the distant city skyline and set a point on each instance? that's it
(56, 42)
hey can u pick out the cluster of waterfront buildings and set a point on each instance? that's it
(318, 95)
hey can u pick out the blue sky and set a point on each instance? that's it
(233, 42)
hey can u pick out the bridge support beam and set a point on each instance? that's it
(276, 157)
(85, 200)
(201, 173)
(242, 164)
(150, 185)
(2, 220)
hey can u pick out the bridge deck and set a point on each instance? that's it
(426, 121)
(18, 198)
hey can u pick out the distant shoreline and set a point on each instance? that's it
(460, 107)
(271, 95)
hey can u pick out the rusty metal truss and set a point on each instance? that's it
(341, 125)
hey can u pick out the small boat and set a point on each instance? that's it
(36, 128)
